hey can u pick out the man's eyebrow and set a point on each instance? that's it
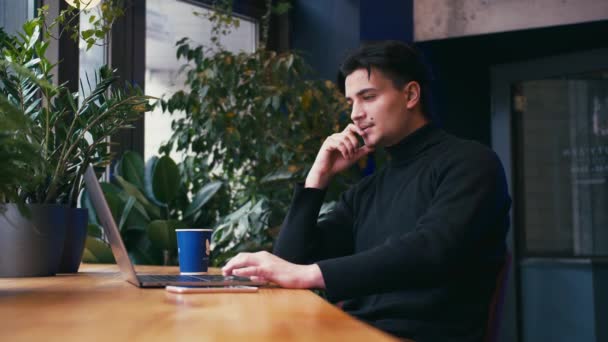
(361, 92)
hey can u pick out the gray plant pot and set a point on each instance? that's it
(77, 220)
(31, 246)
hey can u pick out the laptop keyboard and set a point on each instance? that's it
(186, 278)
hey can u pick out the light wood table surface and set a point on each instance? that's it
(98, 305)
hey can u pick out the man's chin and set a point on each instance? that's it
(371, 143)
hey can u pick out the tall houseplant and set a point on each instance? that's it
(70, 132)
(254, 121)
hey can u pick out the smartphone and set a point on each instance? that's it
(211, 289)
(360, 140)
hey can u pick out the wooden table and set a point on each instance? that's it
(97, 305)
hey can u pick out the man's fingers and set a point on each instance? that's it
(239, 261)
(344, 149)
(353, 128)
(335, 143)
(345, 141)
(364, 150)
(250, 271)
(258, 278)
(352, 140)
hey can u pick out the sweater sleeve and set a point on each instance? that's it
(467, 218)
(304, 238)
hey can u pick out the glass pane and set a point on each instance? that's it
(562, 127)
(167, 21)
(13, 13)
(92, 59)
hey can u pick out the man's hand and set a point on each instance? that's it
(266, 266)
(339, 152)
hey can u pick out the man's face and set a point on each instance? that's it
(378, 108)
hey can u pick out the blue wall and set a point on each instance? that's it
(325, 31)
(557, 301)
(388, 19)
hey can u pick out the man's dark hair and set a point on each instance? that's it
(399, 62)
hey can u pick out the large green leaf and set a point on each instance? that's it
(132, 190)
(131, 168)
(202, 197)
(278, 175)
(141, 250)
(137, 214)
(165, 180)
(97, 251)
(94, 230)
(148, 176)
(12, 117)
(133, 236)
(140, 256)
(109, 188)
(116, 205)
(126, 212)
(137, 219)
(162, 233)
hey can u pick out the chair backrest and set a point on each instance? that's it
(498, 298)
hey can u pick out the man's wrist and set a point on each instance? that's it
(315, 277)
(317, 180)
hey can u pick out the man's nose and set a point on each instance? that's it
(357, 113)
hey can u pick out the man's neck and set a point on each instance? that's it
(417, 121)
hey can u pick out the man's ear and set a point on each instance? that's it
(412, 94)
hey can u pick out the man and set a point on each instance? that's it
(415, 248)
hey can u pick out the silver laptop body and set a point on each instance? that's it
(122, 258)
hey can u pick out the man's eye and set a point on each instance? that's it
(369, 97)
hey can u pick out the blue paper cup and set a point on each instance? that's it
(193, 250)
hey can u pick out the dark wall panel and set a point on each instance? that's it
(325, 31)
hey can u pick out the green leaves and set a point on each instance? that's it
(244, 230)
(109, 12)
(203, 196)
(21, 157)
(131, 166)
(133, 191)
(147, 219)
(257, 117)
(97, 251)
(162, 234)
(66, 133)
(165, 180)
(281, 7)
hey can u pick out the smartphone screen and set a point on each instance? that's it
(211, 289)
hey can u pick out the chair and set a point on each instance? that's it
(498, 298)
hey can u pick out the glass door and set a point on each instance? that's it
(561, 139)
(550, 129)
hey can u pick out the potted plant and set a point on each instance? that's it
(21, 164)
(148, 202)
(70, 134)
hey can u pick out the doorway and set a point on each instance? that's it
(550, 128)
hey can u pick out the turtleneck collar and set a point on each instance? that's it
(414, 144)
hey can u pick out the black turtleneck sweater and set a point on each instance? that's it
(415, 248)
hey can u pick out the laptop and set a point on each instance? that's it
(122, 258)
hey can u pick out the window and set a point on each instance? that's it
(562, 132)
(167, 21)
(91, 60)
(13, 13)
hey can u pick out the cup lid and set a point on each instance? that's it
(194, 230)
